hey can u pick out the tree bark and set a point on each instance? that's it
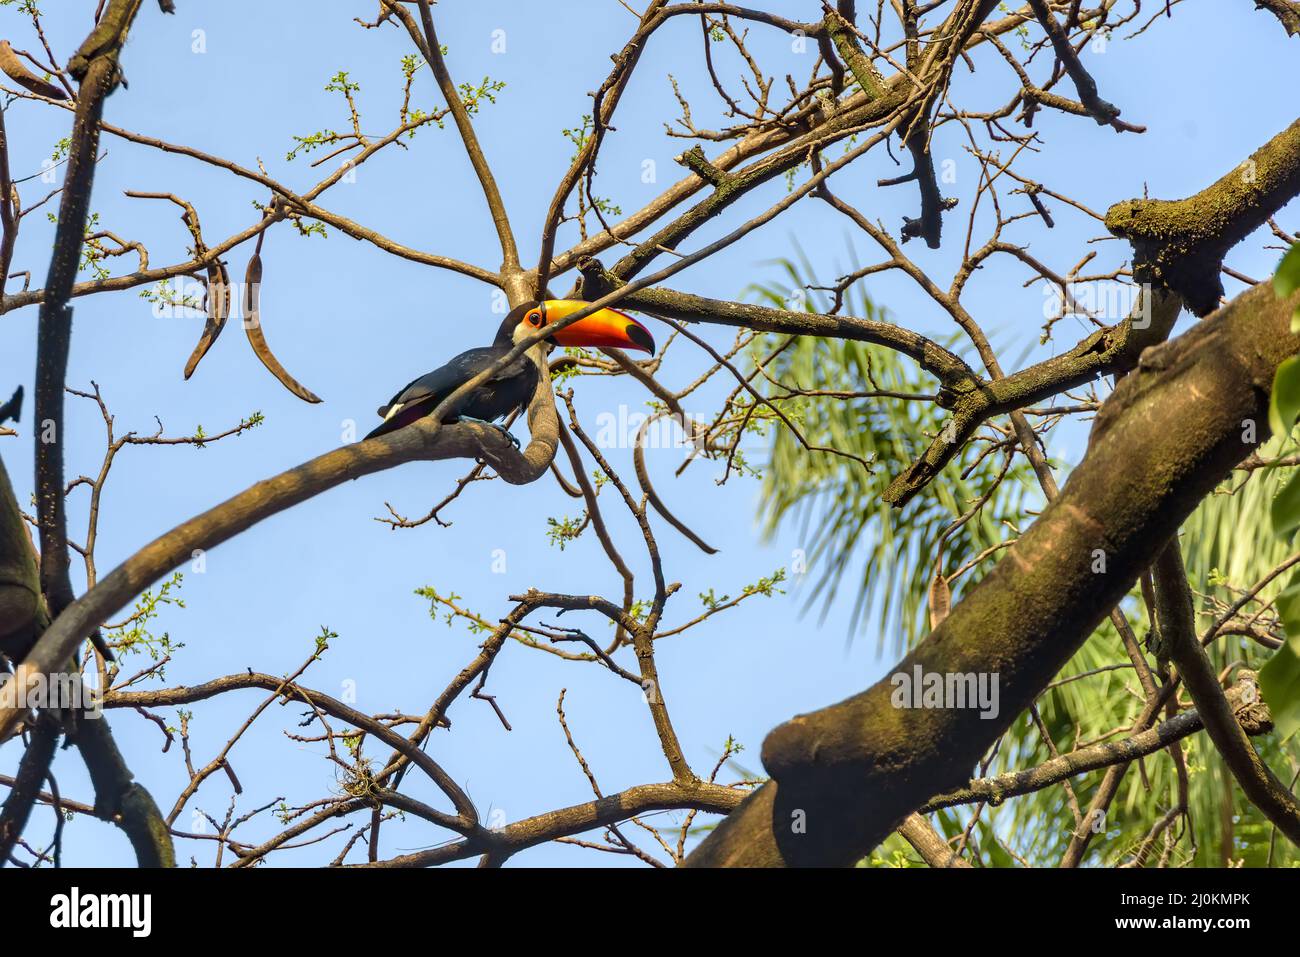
(22, 612)
(845, 776)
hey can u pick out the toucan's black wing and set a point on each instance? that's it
(507, 389)
(440, 382)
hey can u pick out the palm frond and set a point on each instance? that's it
(851, 537)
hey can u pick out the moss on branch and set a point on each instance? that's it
(852, 771)
(1180, 244)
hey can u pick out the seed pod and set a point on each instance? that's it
(940, 596)
(218, 308)
(253, 327)
(16, 71)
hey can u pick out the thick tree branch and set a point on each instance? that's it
(425, 440)
(118, 798)
(853, 111)
(852, 771)
(1286, 11)
(95, 65)
(1178, 247)
(22, 610)
(1180, 244)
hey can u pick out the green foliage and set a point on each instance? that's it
(1284, 401)
(1285, 511)
(848, 533)
(1224, 557)
(1279, 681)
(133, 635)
(562, 531)
(764, 586)
(93, 252)
(1280, 678)
(438, 602)
(1089, 704)
(474, 96)
(310, 142)
(896, 857)
(339, 83)
(411, 114)
(570, 371)
(165, 294)
(578, 136)
(308, 229)
(304, 228)
(200, 438)
(637, 611)
(1095, 697)
(1287, 281)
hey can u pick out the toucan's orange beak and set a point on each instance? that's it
(604, 327)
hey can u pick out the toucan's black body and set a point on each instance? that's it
(510, 388)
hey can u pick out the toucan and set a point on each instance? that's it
(511, 387)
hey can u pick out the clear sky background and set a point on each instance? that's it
(354, 324)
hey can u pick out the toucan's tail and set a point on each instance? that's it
(403, 417)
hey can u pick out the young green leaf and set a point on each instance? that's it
(1284, 403)
(1279, 683)
(1285, 510)
(1287, 281)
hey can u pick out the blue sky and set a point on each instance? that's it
(353, 324)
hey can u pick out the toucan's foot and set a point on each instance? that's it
(500, 428)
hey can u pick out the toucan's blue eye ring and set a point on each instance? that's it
(535, 318)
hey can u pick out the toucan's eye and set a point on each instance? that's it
(535, 318)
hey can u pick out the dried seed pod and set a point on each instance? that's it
(18, 72)
(940, 596)
(218, 309)
(253, 327)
